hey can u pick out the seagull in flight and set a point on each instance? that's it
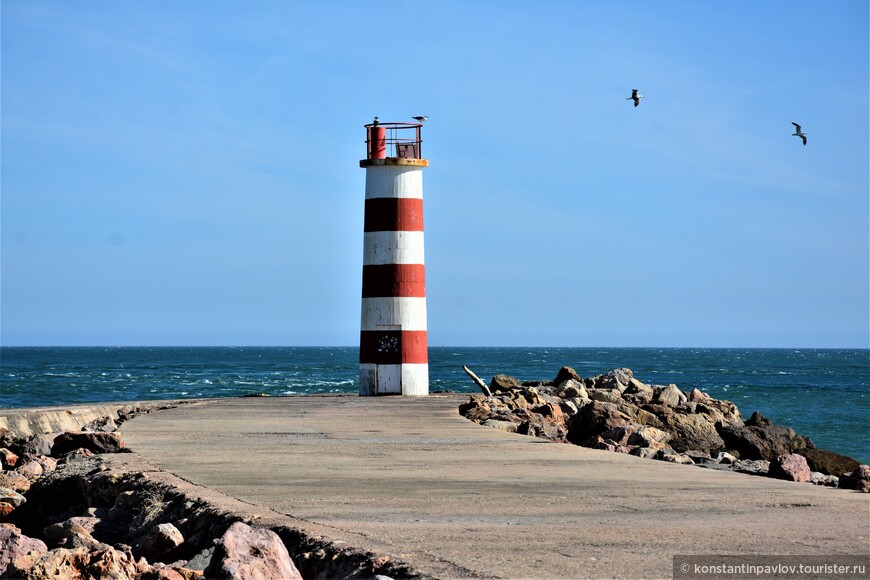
(421, 119)
(799, 133)
(635, 97)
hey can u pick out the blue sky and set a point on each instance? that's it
(186, 173)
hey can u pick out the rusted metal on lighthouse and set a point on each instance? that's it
(394, 358)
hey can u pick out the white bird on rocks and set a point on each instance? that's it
(635, 97)
(799, 133)
(421, 119)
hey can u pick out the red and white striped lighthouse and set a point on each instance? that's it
(393, 352)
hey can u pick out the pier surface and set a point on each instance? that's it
(412, 479)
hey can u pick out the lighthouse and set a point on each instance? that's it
(393, 349)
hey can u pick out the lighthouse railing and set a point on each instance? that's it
(393, 140)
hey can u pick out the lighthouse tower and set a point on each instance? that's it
(393, 350)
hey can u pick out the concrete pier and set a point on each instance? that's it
(411, 478)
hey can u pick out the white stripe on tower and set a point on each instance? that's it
(393, 335)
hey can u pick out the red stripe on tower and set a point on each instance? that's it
(393, 334)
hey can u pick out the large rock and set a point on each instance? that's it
(476, 409)
(791, 467)
(638, 392)
(647, 436)
(30, 469)
(102, 424)
(694, 432)
(594, 419)
(105, 562)
(828, 462)
(501, 383)
(8, 459)
(14, 481)
(244, 552)
(11, 496)
(13, 545)
(95, 442)
(74, 533)
(39, 444)
(761, 439)
(669, 395)
(572, 389)
(566, 374)
(162, 543)
(858, 479)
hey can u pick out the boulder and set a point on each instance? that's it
(62, 563)
(244, 552)
(594, 419)
(8, 459)
(828, 462)
(669, 395)
(647, 436)
(502, 383)
(30, 470)
(752, 466)
(94, 441)
(817, 478)
(725, 458)
(569, 408)
(672, 456)
(476, 409)
(39, 444)
(48, 464)
(791, 467)
(14, 481)
(644, 452)
(6, 509)
(571, 389)
(74, 533)
(13, 545)
(507, 426)
(694, 432)
(12, 497)
(619, 435)
(605, 395)
(760, 439)
(101, 424)
(162, 543)
(858, 479)
(696, 396)
(638, 392)
(566, 374)
(618, 378)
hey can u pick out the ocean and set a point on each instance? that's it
(821, 393)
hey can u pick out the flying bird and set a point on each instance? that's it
(799, 133)
(635, 97)
(421, 119)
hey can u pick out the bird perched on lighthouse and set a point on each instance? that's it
(635, 97)
(799, 133)
(421, 119)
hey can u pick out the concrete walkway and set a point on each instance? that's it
(411, 478)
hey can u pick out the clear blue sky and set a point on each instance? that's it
(186, 173)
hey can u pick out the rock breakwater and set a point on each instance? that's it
(619, 413)
(78, 504)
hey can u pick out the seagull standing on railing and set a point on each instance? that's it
(421, 119)
(799, 133)
(635, 97)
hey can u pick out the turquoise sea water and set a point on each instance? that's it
(823, 394)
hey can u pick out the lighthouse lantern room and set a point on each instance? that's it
(394, 358)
